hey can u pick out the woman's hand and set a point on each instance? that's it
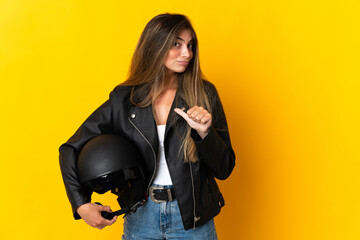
(198, 118)
(91, 214)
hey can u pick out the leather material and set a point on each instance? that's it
(193, 183)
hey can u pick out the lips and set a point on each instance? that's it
(184, 63)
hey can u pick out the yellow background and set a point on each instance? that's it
(288, 76)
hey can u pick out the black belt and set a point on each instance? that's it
(161, 194)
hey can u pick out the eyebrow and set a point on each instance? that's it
(184, 40)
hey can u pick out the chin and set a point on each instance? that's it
(181, 70)
(177, 70)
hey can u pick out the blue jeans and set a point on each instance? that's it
(163, 221)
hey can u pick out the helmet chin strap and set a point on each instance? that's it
(126, 211)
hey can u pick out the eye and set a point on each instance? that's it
(176, 44)
(190, 46)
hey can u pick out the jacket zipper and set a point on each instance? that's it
(193, 195)
(152, 178)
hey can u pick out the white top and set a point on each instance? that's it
(162, 176)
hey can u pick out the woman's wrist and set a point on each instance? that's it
(202, 134)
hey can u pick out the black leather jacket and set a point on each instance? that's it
(195, 188)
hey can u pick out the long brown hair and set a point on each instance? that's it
(147, 71)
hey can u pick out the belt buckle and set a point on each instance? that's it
(152, 194)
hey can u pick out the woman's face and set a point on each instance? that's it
(180, 53)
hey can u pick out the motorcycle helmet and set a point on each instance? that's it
(112, 162)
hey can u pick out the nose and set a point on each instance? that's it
(185, 51)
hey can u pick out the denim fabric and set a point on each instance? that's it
(163, 221)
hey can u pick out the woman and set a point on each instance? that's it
(176, 120)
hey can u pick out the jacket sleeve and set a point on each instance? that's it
(215, 150)
(99, 122)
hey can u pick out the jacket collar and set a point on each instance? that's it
(178, 102)
(145, 121)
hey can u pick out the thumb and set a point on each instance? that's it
(182, 114)
(106, 208)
